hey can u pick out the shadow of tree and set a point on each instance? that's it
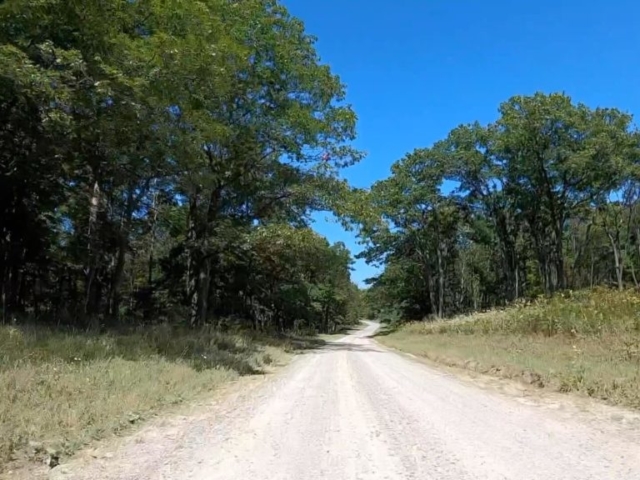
(387, 329)
(347, 347)
(202, 349)
(206, 348)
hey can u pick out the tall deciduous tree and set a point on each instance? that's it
(145, 145)
(523, 206)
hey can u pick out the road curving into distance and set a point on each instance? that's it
(354, 410)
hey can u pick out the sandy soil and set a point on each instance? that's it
(355, 410)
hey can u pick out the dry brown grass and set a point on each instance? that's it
(584, 342)
(62, 390)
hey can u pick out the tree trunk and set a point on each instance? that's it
(194, 262)
(6, 286)
(554, 260)
(90, 307)
(633, 275)
(123, 246)
(542, 255)
(204, 281)
(325, 318)
(152, 233)
(463, 286)
(560, 280)
(507, 248)
(440, 282)
(200, 258)
(118, 276)
(617, 261)
(428, 280)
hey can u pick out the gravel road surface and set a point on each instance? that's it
(354, 410)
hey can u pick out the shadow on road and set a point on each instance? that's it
(386, 330)
(347, 347)
(302, 344)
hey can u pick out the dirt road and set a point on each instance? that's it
(357, 411)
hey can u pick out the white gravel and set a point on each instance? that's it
(357, 411)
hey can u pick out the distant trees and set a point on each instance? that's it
(545, 198)
(154, 158)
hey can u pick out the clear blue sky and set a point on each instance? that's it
(415, 69)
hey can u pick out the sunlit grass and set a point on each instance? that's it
(586, 342)
(63, 390)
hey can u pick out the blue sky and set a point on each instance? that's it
(415, 69)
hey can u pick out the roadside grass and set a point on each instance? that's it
(586, 342)
(60, 390)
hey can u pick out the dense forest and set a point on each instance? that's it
(545, 199)
(159, 161)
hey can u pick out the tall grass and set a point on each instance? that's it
(586, 341)
(63, 389)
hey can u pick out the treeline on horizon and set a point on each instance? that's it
(545, 199)
(159, 162)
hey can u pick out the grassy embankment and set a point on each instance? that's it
(585, 342)
(62, 390)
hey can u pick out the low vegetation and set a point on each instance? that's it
(586, 342)
(62, 390)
